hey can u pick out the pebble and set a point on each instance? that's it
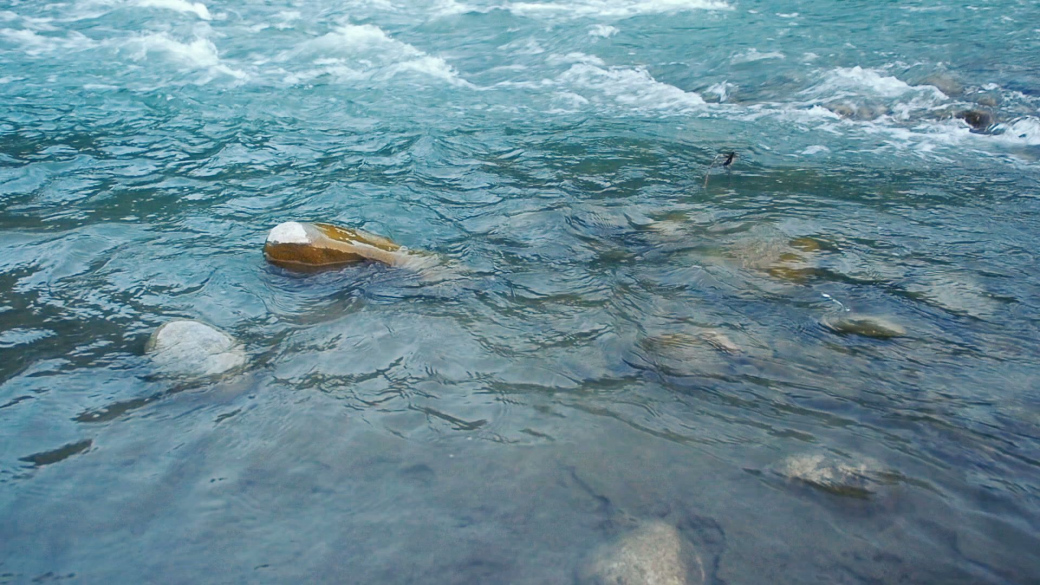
(187, 348)
(655, 553)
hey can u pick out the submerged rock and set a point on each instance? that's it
(653, 554)
(859, 479)
(944, 82)
(865, 325)
(186, 348)
(679, 345)
(792, 260)
(309, 246)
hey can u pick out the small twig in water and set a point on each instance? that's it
(730, 157)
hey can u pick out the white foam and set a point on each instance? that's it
(290, 232)
(721, 89)
(603, 31)
(575, 57)
(752, 55)
(200, 53)
(35, 44)
(527, 46)
(634, 88)
(197, 8)
(815, 149)
(1025, 131)
(845, 81)
(367, 52)
(611, 8)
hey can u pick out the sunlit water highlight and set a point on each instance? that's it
(618, 331)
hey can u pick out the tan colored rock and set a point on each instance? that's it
(652, 554)
(792, 260)
(684, 345)
(309, 246)
(806, 244)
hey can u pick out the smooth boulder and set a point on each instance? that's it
(310, 246)
(653, 554)
(861, 479)
(192, 349)
(865, 325)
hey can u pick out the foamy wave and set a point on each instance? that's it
(366, 51)
(34, 44)
(603, 31)
(198, 54)
(752, 55)
(197, 8)
(1025, 131)
(856, 81)
(634, 88)
(612, 8)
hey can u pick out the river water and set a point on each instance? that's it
(622, 328)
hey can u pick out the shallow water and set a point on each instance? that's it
(612, 337)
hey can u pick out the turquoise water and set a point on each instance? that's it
(619, 330)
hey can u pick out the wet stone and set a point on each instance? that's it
(944, 82)
(684, 354)
(654, 553)
(860, 479)
(979, 120)
(865, 325)
(186, 348)
(315, 246)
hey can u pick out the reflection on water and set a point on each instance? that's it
(818, 366)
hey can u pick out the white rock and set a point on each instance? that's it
(185, 348)
(653, 554)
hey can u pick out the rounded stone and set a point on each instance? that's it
(854, 479)
(308, 246)
(979, 120)
(187, 348)
(654, 553)
(865, 325)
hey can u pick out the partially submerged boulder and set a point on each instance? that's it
(861, 478)
(865, 325)
(192, 349)
(653, 554)
(314, 246)
(979, 120)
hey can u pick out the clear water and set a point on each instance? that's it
(616, 338)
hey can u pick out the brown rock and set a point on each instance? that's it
(308, 246)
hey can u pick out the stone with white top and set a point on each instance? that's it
(314, 246)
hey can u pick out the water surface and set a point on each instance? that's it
(621, 332)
